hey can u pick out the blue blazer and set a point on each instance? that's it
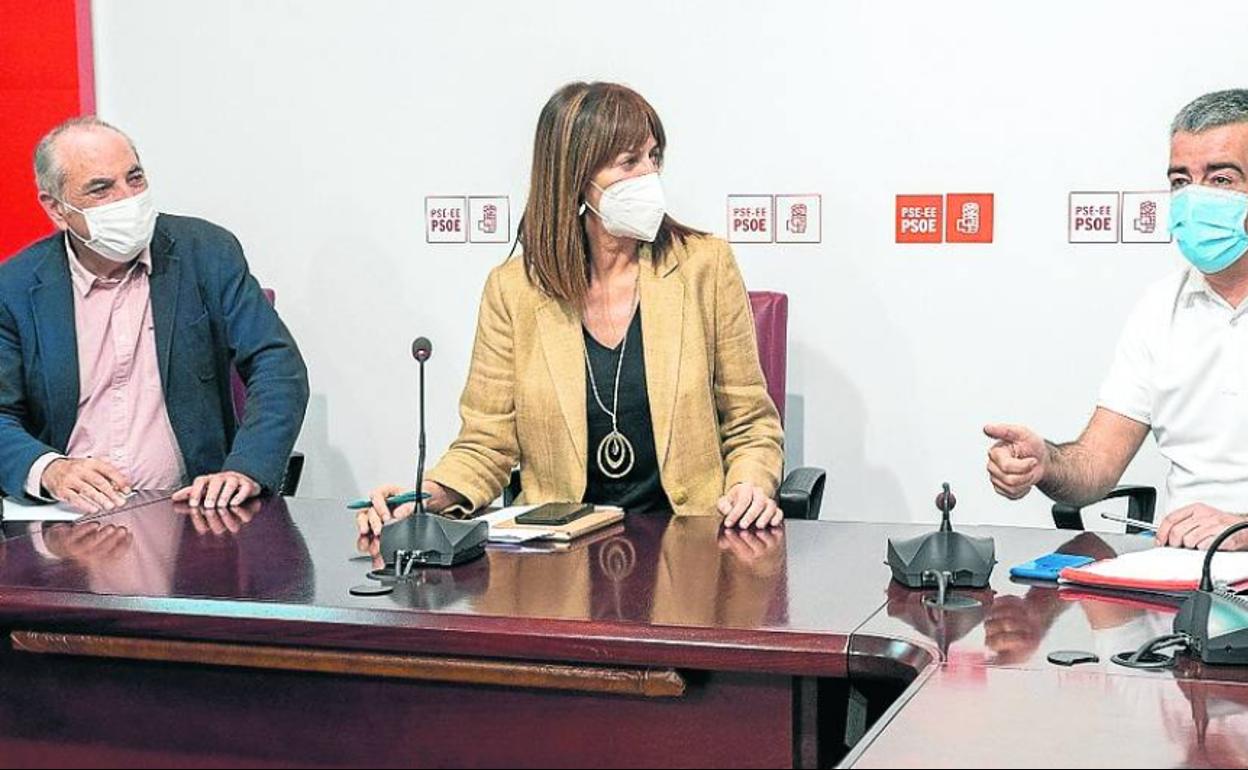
(209, 313)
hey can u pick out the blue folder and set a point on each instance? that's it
(1049, 566)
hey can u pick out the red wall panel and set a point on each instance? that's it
(46, 76)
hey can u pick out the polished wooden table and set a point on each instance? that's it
(993, 699)
(154, 636)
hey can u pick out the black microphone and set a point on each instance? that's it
(1212, 620)
(1206, 572)
(945, 502)
(425, 539)
(422, 349)
(950, 559)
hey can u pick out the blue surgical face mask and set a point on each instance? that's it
(1208, 223)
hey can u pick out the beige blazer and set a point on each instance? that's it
(524, 404)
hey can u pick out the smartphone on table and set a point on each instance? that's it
(554, 514)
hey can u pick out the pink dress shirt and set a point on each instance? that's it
(122, 416)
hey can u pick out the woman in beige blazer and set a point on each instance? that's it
(615, 360)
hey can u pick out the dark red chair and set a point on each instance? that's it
(294, 465)
(771, 326)
(801, 494)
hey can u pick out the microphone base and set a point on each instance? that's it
(427, 540)
(964, 561)
(1217, 624)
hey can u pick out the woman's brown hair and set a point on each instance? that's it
(582, 129)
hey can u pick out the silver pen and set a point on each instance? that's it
(1151, 527)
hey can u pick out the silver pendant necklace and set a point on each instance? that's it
(615, 452)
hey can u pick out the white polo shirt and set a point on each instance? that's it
(1182, 369)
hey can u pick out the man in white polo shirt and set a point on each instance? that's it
(1181, 369)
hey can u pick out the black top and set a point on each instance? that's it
(640, 489)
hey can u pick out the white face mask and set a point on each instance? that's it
(633, 207)
(120, 230)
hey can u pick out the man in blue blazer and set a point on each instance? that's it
(117, 338)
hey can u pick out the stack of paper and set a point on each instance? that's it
(1160, 570)
(14, 511)
(504, 530)
(512, 535)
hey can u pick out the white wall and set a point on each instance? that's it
(314, 130)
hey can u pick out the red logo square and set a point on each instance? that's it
(969, 219)
(919, 218)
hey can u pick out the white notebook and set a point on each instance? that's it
(504, 530)
(14, 511)
(1160, 569)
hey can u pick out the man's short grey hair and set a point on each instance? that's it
(1220, 108)
(49, 175)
